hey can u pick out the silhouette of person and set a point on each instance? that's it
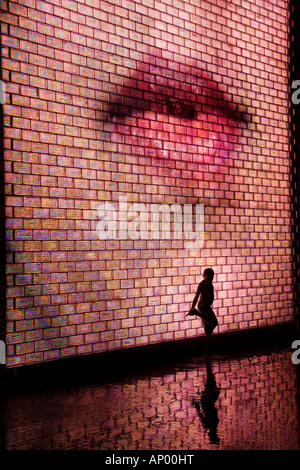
(205, 297)
(206, 405)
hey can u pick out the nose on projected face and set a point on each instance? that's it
(174, 111)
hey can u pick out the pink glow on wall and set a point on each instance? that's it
(164, 103)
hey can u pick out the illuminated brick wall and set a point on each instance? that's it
(153, 102)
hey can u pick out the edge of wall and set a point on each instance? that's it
(118, 364)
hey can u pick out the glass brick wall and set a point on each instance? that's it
(144, 141)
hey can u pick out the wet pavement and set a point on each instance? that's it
(228, 402)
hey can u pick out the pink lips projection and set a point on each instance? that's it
(170, 110)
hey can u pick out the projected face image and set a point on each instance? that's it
(176, 121)
(172, 121)
(168, 110)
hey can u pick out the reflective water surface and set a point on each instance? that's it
(249, 402)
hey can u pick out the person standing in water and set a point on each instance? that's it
(205, 297)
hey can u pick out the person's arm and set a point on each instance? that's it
(198, 293)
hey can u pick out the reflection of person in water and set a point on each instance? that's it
(206, 405)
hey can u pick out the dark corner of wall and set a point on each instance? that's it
(2, 213)
(295, 145)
